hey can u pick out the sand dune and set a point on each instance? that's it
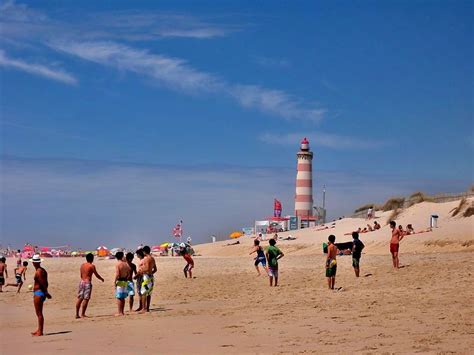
(424, 307)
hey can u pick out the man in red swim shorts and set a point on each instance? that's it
(183, 249)
(397, 236)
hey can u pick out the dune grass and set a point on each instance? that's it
(394, 215)
(461, 206)
(393, 203)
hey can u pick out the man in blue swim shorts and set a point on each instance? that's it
(40, 292)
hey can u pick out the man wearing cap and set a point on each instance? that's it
(190, 262)
(40, 292)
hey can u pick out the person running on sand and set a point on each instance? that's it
(131, 286)
(331, 263)
(184, 252)
(357, 247)
(3, 272)
(122, 275)
(260, 258)
(397, 236)
(148, 270)
(85, 285)
(139, 278)
(20, 275)
(40, 293)
(273, 254)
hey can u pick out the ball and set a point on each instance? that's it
(30, 287)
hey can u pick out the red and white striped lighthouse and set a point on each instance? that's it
(304, 181)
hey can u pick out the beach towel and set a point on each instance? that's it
(147, 285)
(121, 289)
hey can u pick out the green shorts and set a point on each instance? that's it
(355, 262)
(331, 271)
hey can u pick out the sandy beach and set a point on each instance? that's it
(426, 306)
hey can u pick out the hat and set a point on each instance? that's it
(182, 245)
(36, 259)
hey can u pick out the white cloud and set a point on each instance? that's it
(275, 102)
(179, 75)
(322, 139)
(37, 69)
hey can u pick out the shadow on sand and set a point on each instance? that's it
(58, 333)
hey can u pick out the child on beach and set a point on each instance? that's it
(397, 236)
(273, 254)
(85, 285)
(131, 286)
(183, 250)
(357, 247)
(3, 272)
(331, 263)
(260, 258)
(20, 275)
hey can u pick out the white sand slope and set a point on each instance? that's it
(452, 234)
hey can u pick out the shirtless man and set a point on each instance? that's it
(85, 286)
(18, 260)
(20, 275)
(331, 263)
(139, 278)
(397, 236)
(131, 286)
(3, 270)
(40, 293)
(147, 271)
(122, 275)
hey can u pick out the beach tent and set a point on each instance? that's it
(102, 251)
(234, 235)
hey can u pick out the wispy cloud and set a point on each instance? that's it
(179, 75)
(37, 69)
(322, 139)
(21, 21)
(276, 102)
(271, 62)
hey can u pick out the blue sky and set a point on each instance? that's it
(120, 118)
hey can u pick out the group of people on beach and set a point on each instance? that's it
(130, 280)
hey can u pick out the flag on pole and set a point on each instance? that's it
(178, 230)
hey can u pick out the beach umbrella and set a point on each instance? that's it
(164, 245)
(234, 235)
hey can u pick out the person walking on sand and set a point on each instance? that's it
(357, 247)
(18, 260)
(331, 263)
(148, 279)
(20, 275)
(40, 292)
(131, 286)
(85, 285)
(397, 236)
(183, 250)
(3, 272)
(260, 258)
(122, 275)
(273, 254)
(370, 213)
